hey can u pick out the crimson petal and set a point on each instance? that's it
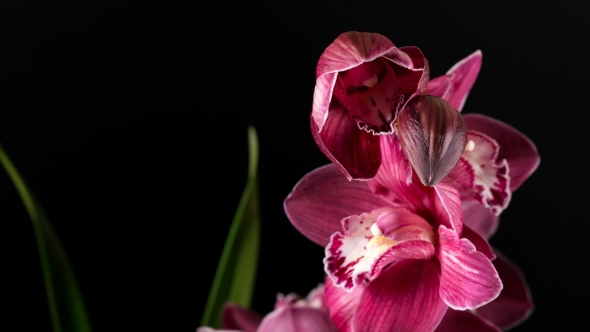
(342, 304)
(296, 319)
(356, 152)
(520, 152)
(468, 278)
(238, 318)
(456, 84)
(514, 304)
(322, 198)
(479, 218)
(403, 298)
(464, 321)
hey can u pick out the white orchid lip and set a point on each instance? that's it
(372, 241)
(482, 174)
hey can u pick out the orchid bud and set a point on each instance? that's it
(433, 136)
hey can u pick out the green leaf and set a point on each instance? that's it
(236, 272)
(67, 310)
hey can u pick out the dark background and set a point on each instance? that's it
(128, 119)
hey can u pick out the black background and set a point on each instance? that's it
(128, 119)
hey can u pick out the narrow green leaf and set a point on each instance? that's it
(67, 310)
(236, 272)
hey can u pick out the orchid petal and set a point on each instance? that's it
(394, 181)
(514, 304)
(315, 298)
(438, 86)
(480, 219)
(342, 304)
(468, 278)
(237, 318)
(352, 49)
(415, 72)
(464, 321)
(433, 136)
(404, 298)
(373, 240)
(458, 81)
(322, 198)
(491, 180)
(480, 243)
(210, 329)
(515, 147)
(449, 205)
(356, 152)
(296, 319)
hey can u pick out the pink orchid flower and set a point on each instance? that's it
(291, 314)
(362, 82)
(509, 309)
(407, 239)
(497, 158)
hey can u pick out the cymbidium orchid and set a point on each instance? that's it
(362, 82)
(403, 244)
(497, 158)
(291, 314)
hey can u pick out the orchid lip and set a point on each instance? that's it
(373, 240)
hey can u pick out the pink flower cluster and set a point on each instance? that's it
(407, 206)
(413, 193)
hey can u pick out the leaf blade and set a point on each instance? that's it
(66, 306)
(240, 252)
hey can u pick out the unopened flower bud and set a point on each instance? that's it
(433, 136)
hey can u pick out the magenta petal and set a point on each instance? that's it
(322, 198)
(403, 298)
(352, 49)
(449, 205)
(438, 86)
(514, 304)
(238, 318)
(480, 243)
(461, 78)
(520, 152)
(479, 218)
(464, 321)
(356, 152)
(296, 319)
(468, 278)
(342, 304)
(438, 205)
(394, 179)
(209, 329)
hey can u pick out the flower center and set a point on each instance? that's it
(373, 96)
